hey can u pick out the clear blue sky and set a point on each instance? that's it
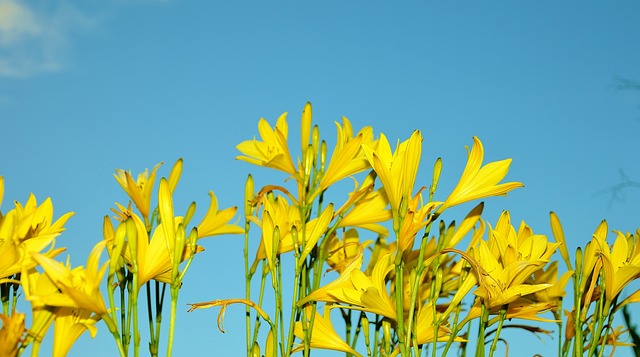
(90, 86)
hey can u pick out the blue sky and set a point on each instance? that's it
(90, 86)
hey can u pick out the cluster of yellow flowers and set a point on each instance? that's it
(405, 290)
(143, 248)
(399, 288)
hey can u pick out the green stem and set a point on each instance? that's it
(399, 265)
(172, 318)
(152, 337)
(496, 337)
(484, 319)
(294, 307)
(247, 287)
(159, 304)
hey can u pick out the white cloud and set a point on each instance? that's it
(35, 40)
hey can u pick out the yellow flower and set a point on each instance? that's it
(620, 265)
(416, 218)
(550, 276)
(273, 150)
(396, 171)
(479, 181)
(368, 211)
(153, 256)
(216, 222)
(69, 324)
(323, 335)
(16, 255)
(28, 229)
(358, 291)
(342, 252)
(277, 213)
(80, 286)
(425, 327)
(521, 308)
(11, 334)
(342, 282)
(36, 284)
(32, 221)
(348, 157)
(140, 190)
(499, 287)
(508, 260)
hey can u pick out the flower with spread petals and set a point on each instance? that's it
(367, 209)
(80, 286)
(28, 229)
(619, 264)
(139, 190)
(358, 291)
(216, 222)
(323, 335)
(507, 261)
(397, 171)
(348, 157)
(279, 215)
(342, 282)
(273, 150)
(153, 256)
(479, 181)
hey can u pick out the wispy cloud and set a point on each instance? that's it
(34, 39)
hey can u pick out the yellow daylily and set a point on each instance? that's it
(36, 284)
(425, 327)
(33, 220)
(368, 212)
(69, 324)
(360, 292)
(520, 308)
(153, 256)
(348, 157)
(273, 150)
(80, 286)
(216, 222)
(342, 252)
(416, 218)
(277, 213)
(11, 334)
(342, 282)
(28, 229)
(323, 335)
(397, 171)
(550, 276)
(620, 266)
(508, 260)
(16, 255)
(140, 190)
(499, 286)
(479, 181)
